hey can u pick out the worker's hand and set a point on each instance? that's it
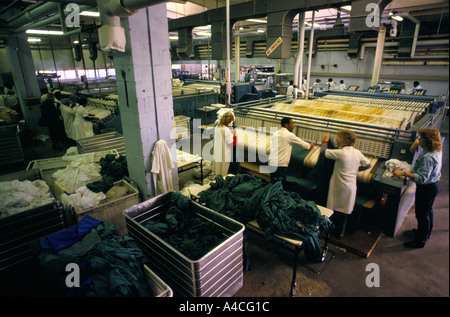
(326, 138)
(397, 172)
(311, 145)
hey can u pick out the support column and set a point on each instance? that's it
(144, 86)
(378, 56)
(298, 70)
(310, 48)
(27, 87)
(237, 58)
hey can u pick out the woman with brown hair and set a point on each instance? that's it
(223, 143)
(342, 190)
(426, 174)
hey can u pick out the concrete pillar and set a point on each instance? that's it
(237, 58)
(144, 85)
(27, 87)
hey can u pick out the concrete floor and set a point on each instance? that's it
(403, 272)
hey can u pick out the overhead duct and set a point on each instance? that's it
(52, 19)
(111, 35)
(32, 13)
(418, 43)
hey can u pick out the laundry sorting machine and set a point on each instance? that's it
(380, 138)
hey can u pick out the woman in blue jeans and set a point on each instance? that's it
(426, 174)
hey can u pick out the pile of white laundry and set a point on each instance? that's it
(17, 196)
(394, 164)
(74, 178)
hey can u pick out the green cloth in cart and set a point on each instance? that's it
(184, 230)
(110, 266)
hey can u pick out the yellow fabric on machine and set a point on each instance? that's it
(367, 115)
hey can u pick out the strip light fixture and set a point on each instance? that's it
(44, 32)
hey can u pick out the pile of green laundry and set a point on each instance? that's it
(245, 197)
(112, 170)
(183, 229)
(109, 266)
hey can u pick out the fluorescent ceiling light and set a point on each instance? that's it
(173, 37)
(397, 17)
(34, 39)
(316, 25)
(204, 27)
(260, 31)
(256, 20)
(47, 32)
(348, 8)
(76, 42)
(90, 13)
(203, 34)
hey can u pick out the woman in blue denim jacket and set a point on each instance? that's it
(426, 174)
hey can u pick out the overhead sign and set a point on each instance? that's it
(274, 46)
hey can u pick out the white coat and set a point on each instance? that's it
(281, 143)
(81, 127)
(223, 146)
(290, 92)
(342, 190)
(68, 115)
(162, 166)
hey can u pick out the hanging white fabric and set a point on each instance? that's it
(162, 165)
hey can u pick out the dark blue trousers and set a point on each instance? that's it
(425, 196)
(279, 175)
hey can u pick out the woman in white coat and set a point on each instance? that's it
(342, 191)
(67, 109)
(82, 127)
(223, 144)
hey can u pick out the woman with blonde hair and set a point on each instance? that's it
(224, 141)
(426, 174)
(342, 190)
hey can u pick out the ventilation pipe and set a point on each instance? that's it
(311, 44)
(418, 43)
(299, 60)
(378, 56)
(32, 13)
(52, 19)
(111, 35)
(416, 34)
(228, 75)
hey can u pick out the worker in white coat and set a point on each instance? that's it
(342, 190)
(67, 109)
(224, 140)
(281, 143)
(290, 91)
(82, 125)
